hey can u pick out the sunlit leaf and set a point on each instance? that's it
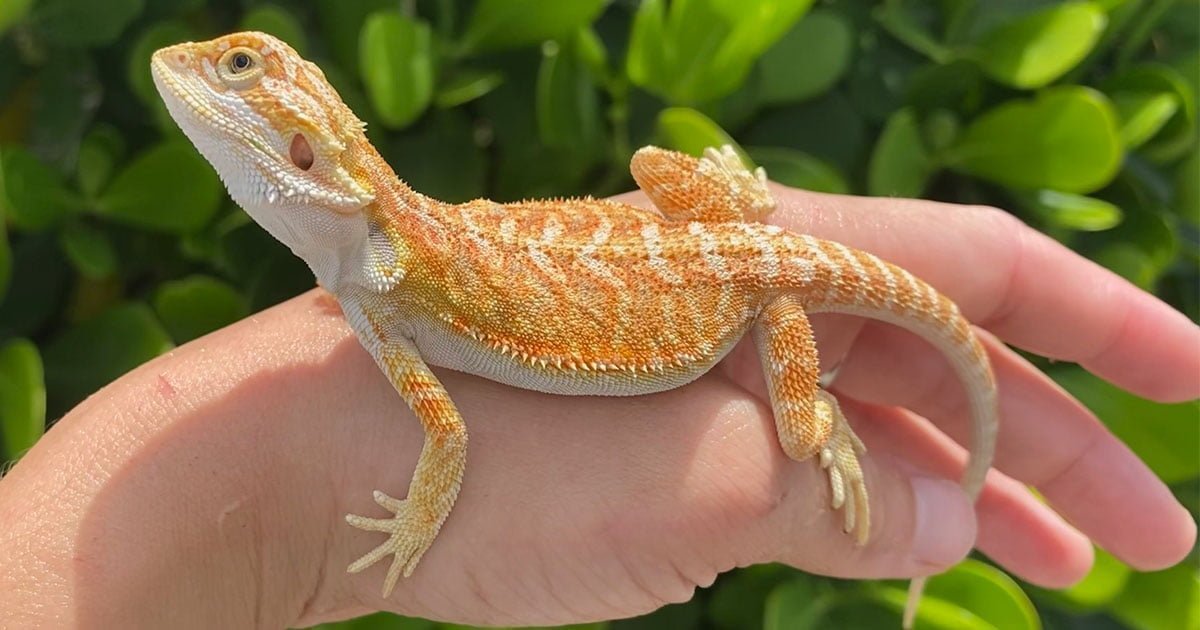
(396, 58)
(84, 358)
(167, 188)
(701, 50)
(1074, 212)
(500, 24)
(1038, 48)
(1143, 114)
(1103, 583)
(972, 594)
(466, 86)
(799, 169)
(687, 130)
(1064, 139)
(197, 305)
(1178, 134)
(22, 397)
(809, 59)
(12, 11)
(900, 165)
(277, 21)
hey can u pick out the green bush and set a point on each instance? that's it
(1080, 117)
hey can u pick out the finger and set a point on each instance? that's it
(1016, 530)
(1025, 287)
(1048, 440)
(919, 524)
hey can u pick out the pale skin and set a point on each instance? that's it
(208, 487)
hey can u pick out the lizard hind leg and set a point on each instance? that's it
(714, 188)
(808, 420)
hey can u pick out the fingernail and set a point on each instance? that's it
(945, 522)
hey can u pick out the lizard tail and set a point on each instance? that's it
(858, 283)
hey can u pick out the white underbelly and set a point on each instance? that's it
(440, 347)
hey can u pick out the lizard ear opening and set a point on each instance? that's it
(301, 152)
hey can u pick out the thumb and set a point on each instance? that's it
(919, 525)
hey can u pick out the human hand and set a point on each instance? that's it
(208, 487)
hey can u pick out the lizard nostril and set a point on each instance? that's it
(181, 58)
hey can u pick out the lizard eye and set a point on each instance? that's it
(240, 68)
(240, 62)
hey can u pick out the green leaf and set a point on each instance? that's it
(1143, 114)
(1178, 134)
(799, 604)
(5, 250)
(35, 292)
(503, 24)
(89, 250)
(1103, 583)
(900, 165)
(1130, 262)
(22, 397)
(687, 130)
(34, 195)
(1162, 600)
(279, 22)
(341, 25)
(91, 354)
(167, 188)
(75, 24)
(1163, 435)
(98, 154)
(807, 61)
(1036, 49)
(1187, 189)
(440, 157)
(197, 305)
(396, 57)
(567, 103)
(465, 86)
(12, 11)
(737, 599)
(799, 169)
(1064, 139)
(1074, 212)
(701, 50)
(972, 594)
(157, 35)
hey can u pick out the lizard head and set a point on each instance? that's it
(274, 128)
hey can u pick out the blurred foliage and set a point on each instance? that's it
(117, 241)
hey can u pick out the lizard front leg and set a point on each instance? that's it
(439, 472)
(808, 419)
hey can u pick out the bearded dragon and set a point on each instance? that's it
(568, 296)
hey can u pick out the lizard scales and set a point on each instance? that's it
(567, 296)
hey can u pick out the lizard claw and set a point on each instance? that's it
(839, 457)
(411, 535)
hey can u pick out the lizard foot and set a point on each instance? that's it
(412, 532)
(734, 172)
(839, 457)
